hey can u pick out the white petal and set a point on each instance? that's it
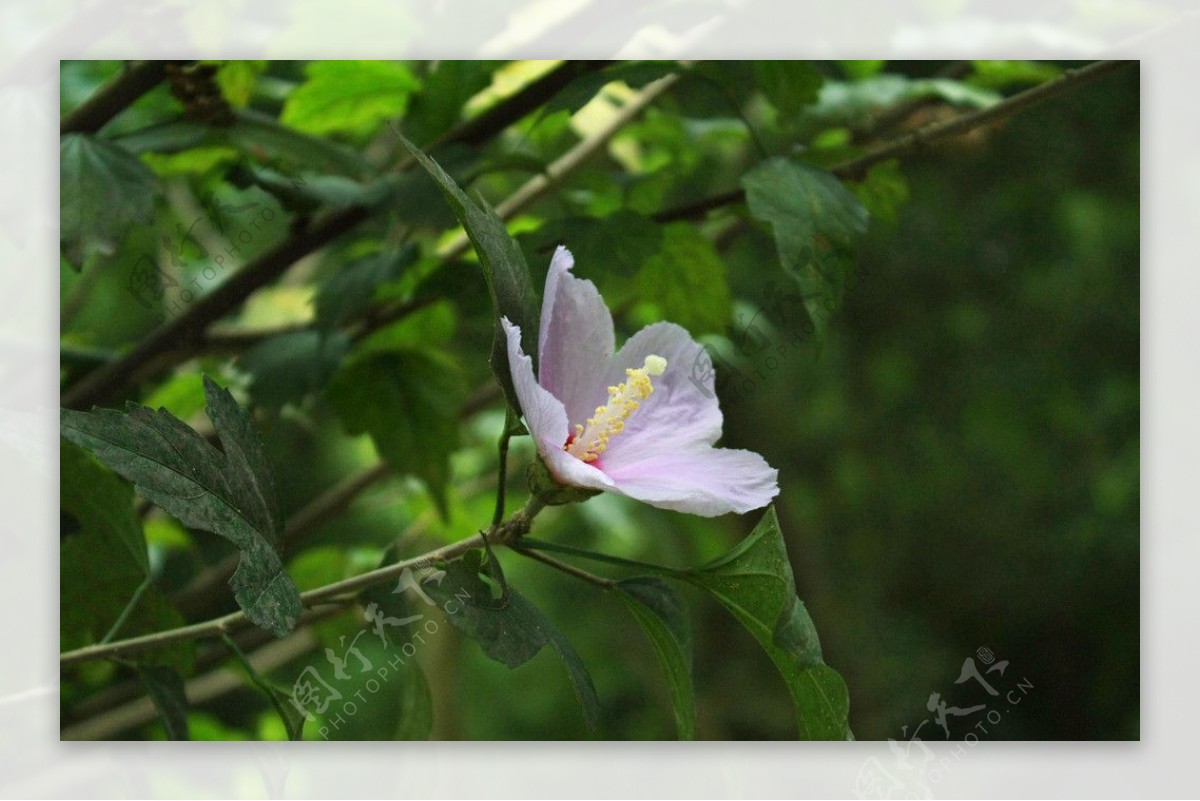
(575, 341)
(703, 481)
(682, 412)
(546, 419)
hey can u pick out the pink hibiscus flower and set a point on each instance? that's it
(637, 422)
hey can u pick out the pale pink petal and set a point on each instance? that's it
(575, 341)
(682, 412)
(546, 419)
(702, 481)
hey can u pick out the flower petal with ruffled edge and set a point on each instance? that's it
(664, 453)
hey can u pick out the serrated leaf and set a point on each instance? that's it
(230, 494)
(104, 191)
(662, 616)
(350, 97)
(817, 223)
(507, 627)
(754, 582)
(165, 688)
(789, 85)
(504, 269)
(408, 402)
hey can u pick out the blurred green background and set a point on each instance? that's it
(958, 450)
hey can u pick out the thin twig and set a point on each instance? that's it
(922, 138)
(571, 570)
(173, 341)
(337, 592)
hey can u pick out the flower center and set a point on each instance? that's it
(587, 443)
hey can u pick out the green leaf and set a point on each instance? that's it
(415, 701)
(102, 504)
(754, 582)
(619, 244)
(165, 688)
(504, 269)
(854, 103)
(660, 611)
(1004, 74)
(347, 292)
(789, 85)
(438, 106)
(857, 70)
(350, 97)
(287, 368)
(884, 191)
(293, 719)
(105, 191)
(308, 192)
(817, 223)
(256, 135)
(685, 280)
(237, 80)
(231, 494)
(408, 402)
(508, 628)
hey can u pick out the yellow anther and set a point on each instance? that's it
(609, 420)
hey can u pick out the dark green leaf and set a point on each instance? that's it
(789, 85)
(308, 192)
(231, 494)
(415, 712)
(817, 223)
(685, 280)
(660, 611)
(508, 628)
(883, 191)
(347, 292)
(408, 402)
(104, 190)
(351, 97)
(754, 582)
(437, 107)
(102, 504)
(620, 244)
(293, 718)
(258, 136)
(504, 269)
(165, 688)
(287, 368)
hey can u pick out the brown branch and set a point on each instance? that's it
(114, 97)
(922, 138)
(171, 342)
